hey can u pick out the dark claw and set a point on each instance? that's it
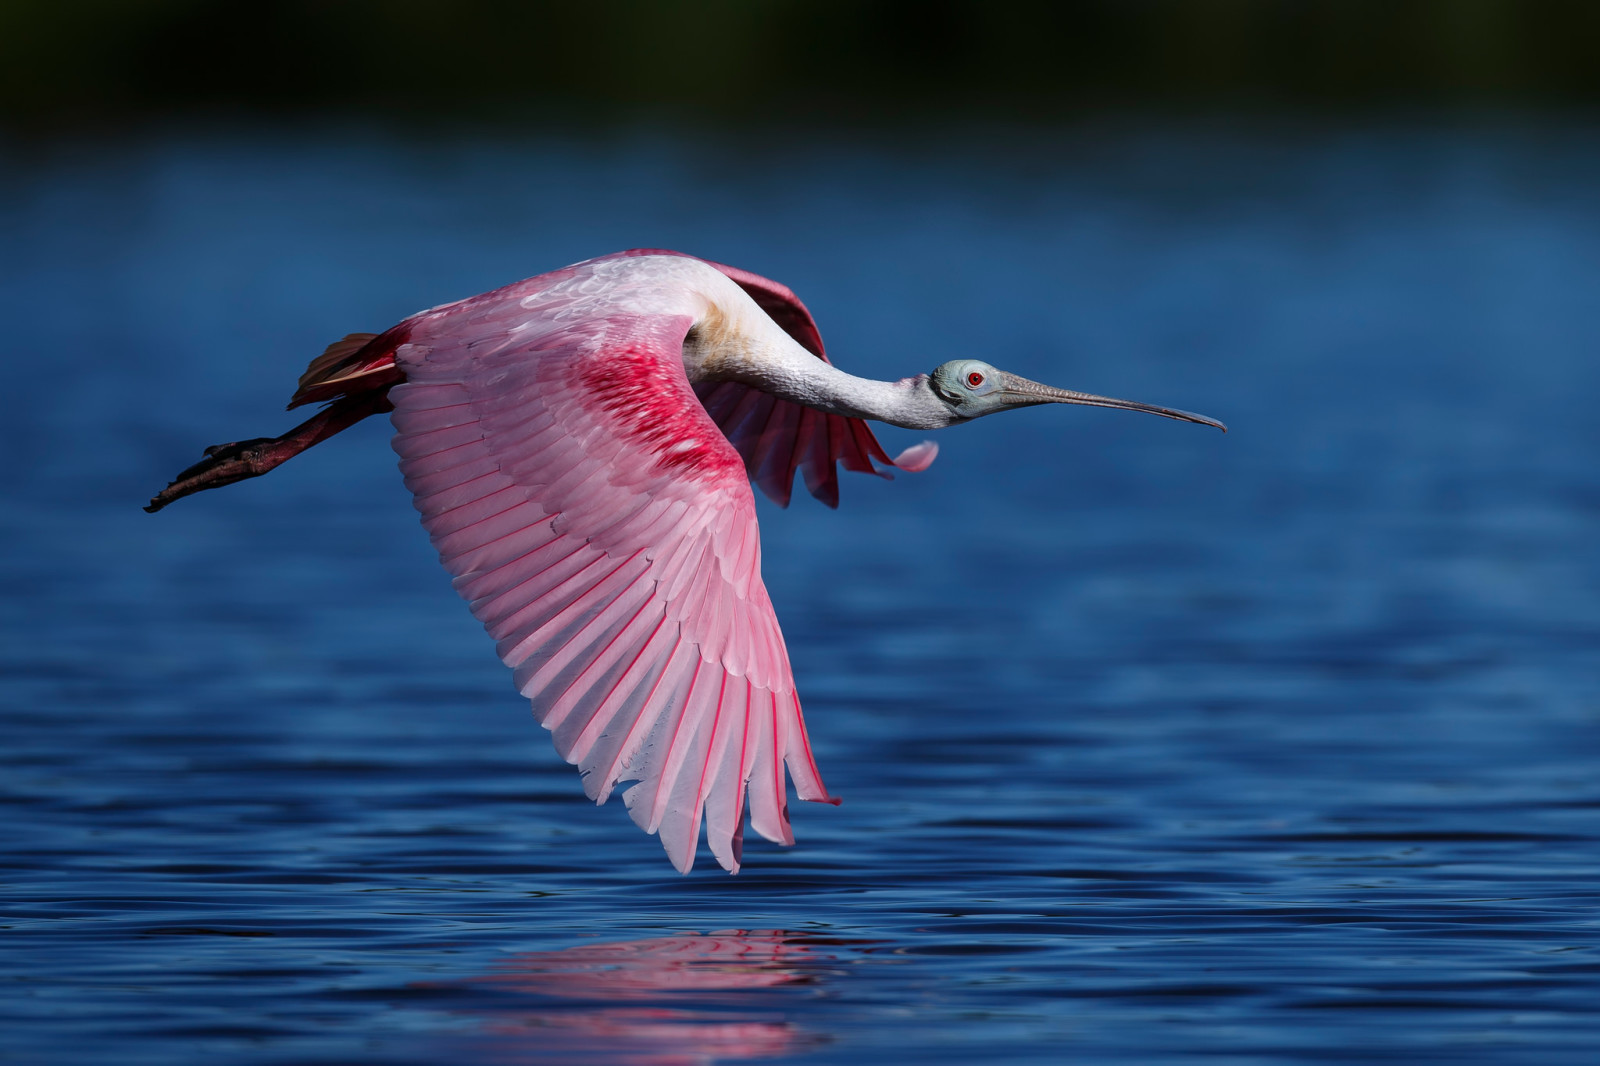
(223, 465)
(226, 463)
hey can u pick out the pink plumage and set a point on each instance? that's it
(601, 526)
(581, 446)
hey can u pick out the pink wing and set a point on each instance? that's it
(604, 532)
(775, 437)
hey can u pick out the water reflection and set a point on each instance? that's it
(630, 1001)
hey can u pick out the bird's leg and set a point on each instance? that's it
(226, 463)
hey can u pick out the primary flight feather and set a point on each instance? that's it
(581, 447)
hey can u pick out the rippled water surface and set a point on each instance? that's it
(1155, 745)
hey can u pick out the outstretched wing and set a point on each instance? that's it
(777, 438)
(604, 532)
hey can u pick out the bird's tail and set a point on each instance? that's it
(355, 374)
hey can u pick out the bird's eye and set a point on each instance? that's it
(974, 379)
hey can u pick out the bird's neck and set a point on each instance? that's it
(770, 360)
(908, 403)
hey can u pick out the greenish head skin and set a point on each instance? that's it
(971, 388)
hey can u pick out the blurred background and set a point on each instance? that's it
(1275, 747)
(106, 60)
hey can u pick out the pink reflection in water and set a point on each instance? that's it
(668, 1001)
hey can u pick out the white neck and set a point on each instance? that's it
(759, 354)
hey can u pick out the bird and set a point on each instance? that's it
(582, 446)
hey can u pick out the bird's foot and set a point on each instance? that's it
(223, 465)
(226, 463)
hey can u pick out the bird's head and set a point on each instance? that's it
(971, 388)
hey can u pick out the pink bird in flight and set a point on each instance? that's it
(581, 446)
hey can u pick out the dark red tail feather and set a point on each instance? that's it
(358, 364)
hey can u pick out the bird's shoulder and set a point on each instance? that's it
(593, 299)
(595, 350)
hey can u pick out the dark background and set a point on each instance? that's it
(103, 60)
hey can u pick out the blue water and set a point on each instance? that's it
(1156, 745)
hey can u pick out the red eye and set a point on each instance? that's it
(974, 379)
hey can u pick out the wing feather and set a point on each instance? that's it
(567, 605)
(456, 548)
(647, 658)
(614, 560)
(426, 464)
(768, 813)
(638, 754)
(582, 625)
(438, 440)
(776, 450)
(724, 775)
(684, 728)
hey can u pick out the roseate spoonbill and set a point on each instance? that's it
(581, 446)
